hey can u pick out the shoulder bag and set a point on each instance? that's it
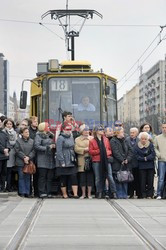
(29, 168)
(88, 164)
(124, 176)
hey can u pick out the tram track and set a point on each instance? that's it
(22, 232)
(20, 237)
(147, 238)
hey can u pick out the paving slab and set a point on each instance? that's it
(13, 212)
(80, 224)
(150, 214)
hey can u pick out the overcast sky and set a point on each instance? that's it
(113, 48)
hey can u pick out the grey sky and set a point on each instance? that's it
(114, 49)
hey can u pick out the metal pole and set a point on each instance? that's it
(72, 48)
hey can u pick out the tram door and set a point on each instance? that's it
(36, 106)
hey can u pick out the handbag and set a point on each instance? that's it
(72, 157)
(29, 168)
(125, 176)
(88, 164)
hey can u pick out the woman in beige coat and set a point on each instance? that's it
(86, 178)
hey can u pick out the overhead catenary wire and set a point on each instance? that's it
(97, 25)
(137, 62)
(52, 31)
(138, 67)
(101, 25)
(139, 58)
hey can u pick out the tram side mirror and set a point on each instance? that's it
(23, 99)
(107, 90)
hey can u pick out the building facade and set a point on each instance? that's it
(120, 109)
(128, 107)
(4, 86)
(152, 95)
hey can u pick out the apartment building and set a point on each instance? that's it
(4, 85)
(152, 95)
(128, 107)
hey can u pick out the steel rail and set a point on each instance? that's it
(147, 238)
(19, 236)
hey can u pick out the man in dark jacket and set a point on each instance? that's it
(4, 156)
(132, 140)
(33, 129)
(33, 126)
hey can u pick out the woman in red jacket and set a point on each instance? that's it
(100, 151)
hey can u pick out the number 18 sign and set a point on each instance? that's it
(59, 85)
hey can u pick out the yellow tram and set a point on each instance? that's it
(72, 86)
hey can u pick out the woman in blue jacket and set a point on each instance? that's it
(145, 154)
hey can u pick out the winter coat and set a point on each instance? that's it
(81, 143)
(4, 143)
(24, 148)
(147, 151)
(160, 146)
(44, 154)
(32, 132)
(120, 151)
(134, 162)
(65, 151)
(12, 136)
(94, 150)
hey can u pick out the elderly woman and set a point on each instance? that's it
(24, 149)
(65, 161)
(132, 140)
(9, 127)
(45, 149)
(82, 150)
(100, 150)
(145, 154)
(122, 155)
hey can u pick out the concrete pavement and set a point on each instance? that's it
(82, 224)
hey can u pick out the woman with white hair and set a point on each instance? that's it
(132, 140)
(145, 154)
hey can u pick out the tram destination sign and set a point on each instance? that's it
(59, 85)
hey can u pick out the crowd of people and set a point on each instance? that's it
(85, 161)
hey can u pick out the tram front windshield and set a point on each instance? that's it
(80, 96)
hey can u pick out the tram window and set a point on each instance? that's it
(44, 101)
(112, 89)
(80, 95)
(86, 94)
(111, 102)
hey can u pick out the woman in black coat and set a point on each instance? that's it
(145, 154)
(122, 154)
(4, 156)
(25, 153)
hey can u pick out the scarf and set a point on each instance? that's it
(103, 157)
